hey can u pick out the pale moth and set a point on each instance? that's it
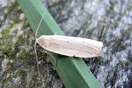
(70, 46)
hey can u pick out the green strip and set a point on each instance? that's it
(73, 72)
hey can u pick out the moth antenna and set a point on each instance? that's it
(50, 55)
(35, 43)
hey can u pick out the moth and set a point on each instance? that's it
(70, 46)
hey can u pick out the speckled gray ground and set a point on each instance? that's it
(109, 21)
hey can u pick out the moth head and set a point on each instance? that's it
(43, 41)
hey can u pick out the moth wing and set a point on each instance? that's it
(71, 46)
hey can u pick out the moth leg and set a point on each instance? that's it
(50, 55)
(55, 33)
(72, 57)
